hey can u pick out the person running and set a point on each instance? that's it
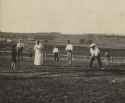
(95, 54)
(56, 54)
(38, 48)
(13, 57)
(20, 47)
(69, 50)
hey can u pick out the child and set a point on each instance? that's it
(13, 57)
(56, 54)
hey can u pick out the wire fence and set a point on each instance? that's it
(112, 59)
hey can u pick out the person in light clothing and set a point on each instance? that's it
(20, 47)
(38, 48)
(56, 54)
(69, 50)
(95, 54)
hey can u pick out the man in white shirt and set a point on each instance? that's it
(20, 47)
(56, 54)
(95, 54)
(69, 50)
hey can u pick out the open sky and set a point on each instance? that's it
(66, 16)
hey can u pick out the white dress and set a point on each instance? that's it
(38, 60)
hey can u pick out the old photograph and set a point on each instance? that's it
(62, 51)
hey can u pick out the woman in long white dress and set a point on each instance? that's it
(38, 48)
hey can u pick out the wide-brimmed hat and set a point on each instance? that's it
(92, 45)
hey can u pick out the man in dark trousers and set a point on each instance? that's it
(69, 50)
(56, 54)
(20, 47)
(95, 54)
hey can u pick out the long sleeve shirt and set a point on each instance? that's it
(94, 52)
(69, 47)
(55, 50)
(20, 45)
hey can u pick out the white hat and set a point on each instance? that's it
(92, 45)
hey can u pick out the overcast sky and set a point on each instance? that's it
(66, 16)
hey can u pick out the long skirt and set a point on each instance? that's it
(38, 60)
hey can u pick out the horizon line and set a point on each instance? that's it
(60, 33)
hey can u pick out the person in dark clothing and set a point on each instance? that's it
(107, 58)
(13, 57)
(20, 47)
(45, 51)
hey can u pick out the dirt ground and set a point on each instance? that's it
(60, 83)
(86, 87)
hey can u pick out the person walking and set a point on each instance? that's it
(69, 50)
(20, 47)
(56, 54)
(38, 48)
(95, 54)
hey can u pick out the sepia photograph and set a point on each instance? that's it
(62, 51)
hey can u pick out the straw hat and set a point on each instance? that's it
(92, 45)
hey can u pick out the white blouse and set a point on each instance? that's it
(19, 45)
(55, 50)
(69, 47)
(94, 52)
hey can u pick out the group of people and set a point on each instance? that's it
(39, 53)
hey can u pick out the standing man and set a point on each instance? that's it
(95, 54)
(56, 54)
(69, 50)
(20, 47)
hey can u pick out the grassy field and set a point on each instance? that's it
(61, 83)
(89, 87)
